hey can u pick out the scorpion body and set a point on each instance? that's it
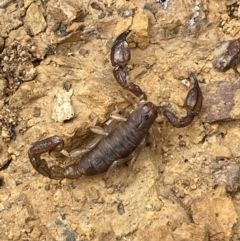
(122, 142)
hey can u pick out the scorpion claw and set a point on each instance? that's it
(174, 120)
(193, 102)
(193, 105)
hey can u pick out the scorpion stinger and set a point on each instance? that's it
(120, 55)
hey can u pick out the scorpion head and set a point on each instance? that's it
(144, 116)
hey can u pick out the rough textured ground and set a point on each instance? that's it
(56, 78)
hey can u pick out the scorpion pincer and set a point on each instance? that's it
(123, 141)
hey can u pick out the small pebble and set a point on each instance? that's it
(47, 187)
(101, 15)
(182, 143)
(149, 207)
(186, 82)
(102, 183)
(110, 190)
(128, 13)
(120, 208)
(185, 182)
(165, 149)
(158, 206)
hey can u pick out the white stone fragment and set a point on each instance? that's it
(186, 82)
(62, 108)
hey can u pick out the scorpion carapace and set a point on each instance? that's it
(122, 142)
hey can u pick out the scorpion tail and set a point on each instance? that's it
(51, 144)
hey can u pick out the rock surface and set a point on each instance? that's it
(56, 79)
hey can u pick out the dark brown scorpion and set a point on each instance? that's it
(121, 144)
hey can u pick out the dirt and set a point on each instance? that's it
(56, 79)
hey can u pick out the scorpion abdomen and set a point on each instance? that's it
(115, 146)
(120, 143)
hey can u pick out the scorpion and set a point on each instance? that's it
(122, 143)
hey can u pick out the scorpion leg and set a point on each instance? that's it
(99, 130)
(80, 151)
(152, 134)
(193, 104)
(130, 99)
(118, 117)
(137, 153)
